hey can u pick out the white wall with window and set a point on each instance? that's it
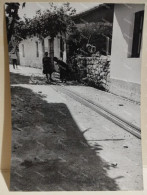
(127, 45)
(59, 47)
(31, 50)
(126, 65)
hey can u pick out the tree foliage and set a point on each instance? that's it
(50, 22)
(89, 33)
(12, 18)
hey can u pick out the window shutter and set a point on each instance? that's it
(61, 47)
(137, 36)
(37, 49)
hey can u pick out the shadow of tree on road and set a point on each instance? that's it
(49, 152)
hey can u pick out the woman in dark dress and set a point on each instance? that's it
(47, 67)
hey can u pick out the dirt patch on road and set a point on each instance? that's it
(21, 79)
(17, 78)
(49, 153)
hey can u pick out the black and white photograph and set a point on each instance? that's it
(75, 79)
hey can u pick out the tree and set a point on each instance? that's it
(95, 34)
(12, 18)
(51, 22)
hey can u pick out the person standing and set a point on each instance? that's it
(47, 67)
(14, 59)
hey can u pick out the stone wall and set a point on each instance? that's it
(96, 70)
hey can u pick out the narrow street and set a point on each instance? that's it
(78, 148)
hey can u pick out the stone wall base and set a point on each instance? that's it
(129, 90)
(96, 70)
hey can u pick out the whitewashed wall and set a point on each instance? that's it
(123, 67)
(31, 58)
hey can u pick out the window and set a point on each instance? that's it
(61, 47)
(37, 50)
(43, 47)
(23, 52)
(51, 47)
(137, 36)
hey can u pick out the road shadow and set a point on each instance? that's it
(49, 152)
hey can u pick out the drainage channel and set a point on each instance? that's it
(102, 111)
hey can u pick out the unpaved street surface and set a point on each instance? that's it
(124, 108)
(59, 144)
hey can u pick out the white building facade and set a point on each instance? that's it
(125, 68)
(31, 50)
